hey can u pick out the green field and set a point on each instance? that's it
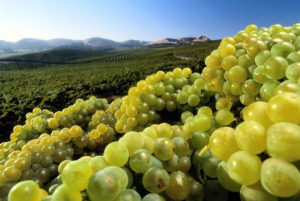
(55, 79)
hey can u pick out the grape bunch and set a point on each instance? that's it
(229, 132)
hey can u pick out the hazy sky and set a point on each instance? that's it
(149, 20)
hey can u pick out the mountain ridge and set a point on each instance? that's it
(91, 43)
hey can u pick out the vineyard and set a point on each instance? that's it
(40, 81)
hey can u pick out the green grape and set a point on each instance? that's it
(172, 164)
(194, 76)
(205, 110)
(261, 57)
(199, 83)
(156, 180)
(128, 195)
(213, 190)
(184, 164)
(210, 165)
(293, 57)
(257, 111)
(11, 173)
(226, 49)
(224, 117)
(245, 61)
(280, 178)
(225, 180)
(293, 72)
(185, 115)
(287, 86)
(164, 130)
(259, 76)
(22, 163)
(199, 140)
(170, 106)
(159, 88)
(251, 87)
(116, 153)
(104, 185)
(76, 174)
(150, 132)
(267, 89)
(159, 105)
(255, 192)
(121, 174)
(27, 190)
(223, 103)
(153, 197)
(133, 141)
(164, 148)
(142, 119)
(244, 167)
(282, 49)
(237, 74)
(236, 89)
(256, 47)
(179, 187)
(46, 160)
(282, 141)
(59, 155)
(275, 67)
(63, 193)
(194, 100)
(182, 97)
(181, 146)
(27, 175)
(43, 174)
(209, 73)
(284, 107)
(251, 136)
(222, 143)
(228, 62)
(98, 163)
(140, 161)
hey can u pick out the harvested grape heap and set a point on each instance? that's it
(230, 130)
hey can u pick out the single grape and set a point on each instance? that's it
(76, 174)
(280, 178)
(156, 180)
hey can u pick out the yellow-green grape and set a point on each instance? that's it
(256, 47)
(133, 141)
(259, 76)
(261, 57)
(237, 74)
(224, 117)
(245, 61)
(156, 179)
(182, 97)
(76, 174)
(275, 67)
(22, 163)
(63, 193)
(62, 165)
(116, 153)
(148, 144)
(104, 186)
(164, 130)
(179, 187)
(251, 136)
(225, 180)
(256, 192)
(268, 88)
(223, 103)
(293, 72)
(293, 57)
(280, 178)
(244, 167)
(205, 110)
(52, 123)
(164, 148)
(282, 141)
(27, 190)
(257, 111)
(75, 131)
(222, 143)
(121, 174)
(284, 108)
(282, 49)
(140, 161)
(11, 173)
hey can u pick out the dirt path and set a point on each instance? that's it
(182, 57)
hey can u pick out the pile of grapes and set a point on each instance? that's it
(230, 132)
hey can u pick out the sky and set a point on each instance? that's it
(148, 20)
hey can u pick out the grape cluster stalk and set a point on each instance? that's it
(229, 132)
